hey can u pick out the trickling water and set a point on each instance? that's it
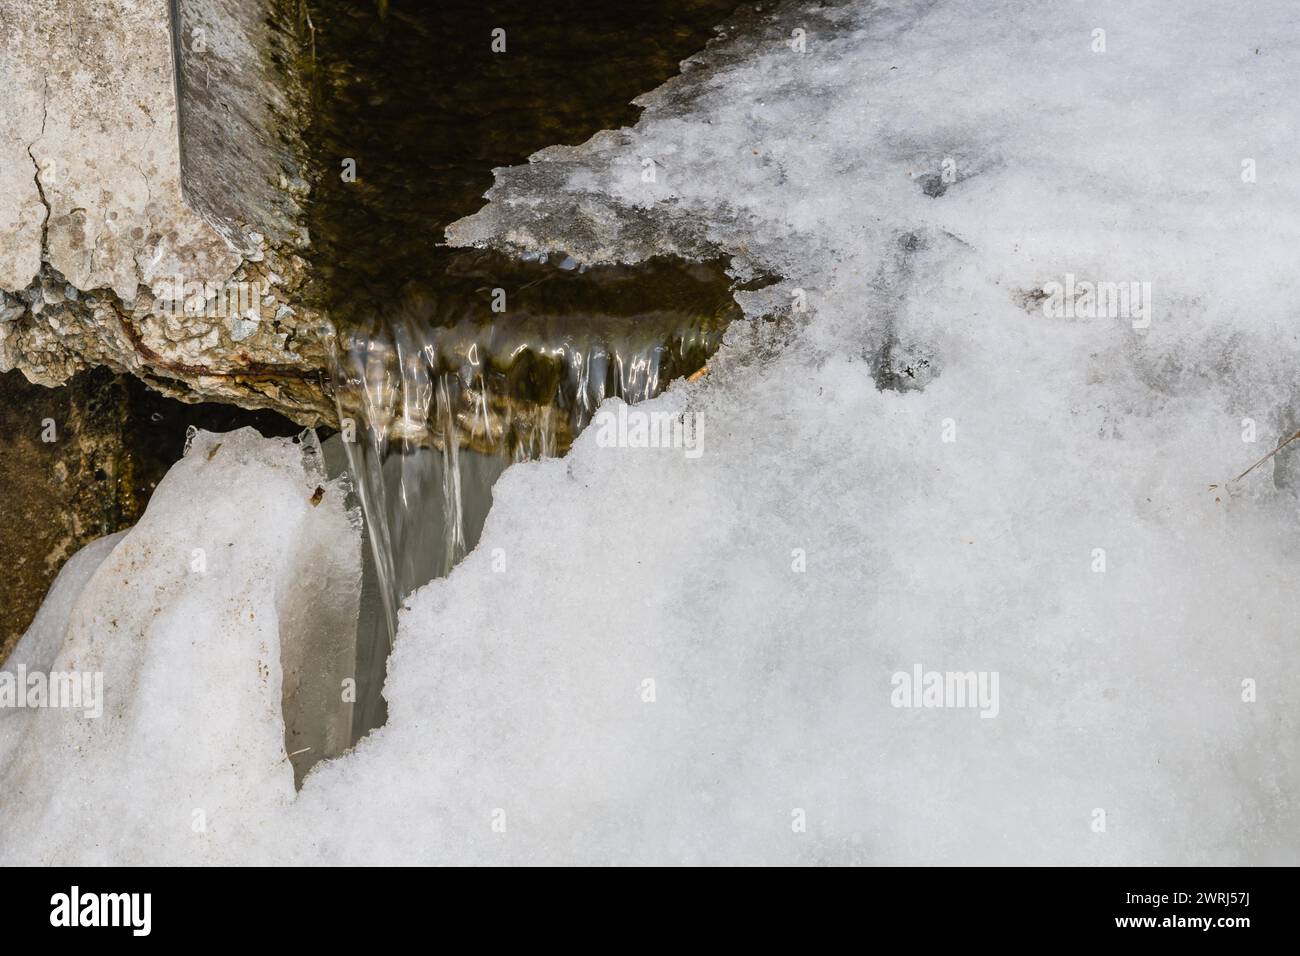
(441, 389)
(442, 392)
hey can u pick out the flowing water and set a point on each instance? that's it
(452, 364)
(440, 393)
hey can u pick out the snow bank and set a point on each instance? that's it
(233, 591)
(919, 175)
(913, 457)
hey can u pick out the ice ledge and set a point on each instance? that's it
(630, 194)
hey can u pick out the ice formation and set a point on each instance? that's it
(914, 468)
(233, 591)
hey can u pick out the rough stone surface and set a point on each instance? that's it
(238, 114)
(22, 213)
(103, 261)
(66, 481)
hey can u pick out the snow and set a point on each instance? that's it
(188, 618)
(44, 637)
(1030, 497)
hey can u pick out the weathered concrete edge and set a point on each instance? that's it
(102, 243)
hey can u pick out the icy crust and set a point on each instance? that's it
(695, 177)
(806, 164)
(658, 658)
(1066, 537)
(184, 618)
(523, 691)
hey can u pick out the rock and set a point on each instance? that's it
(106, 206)
(66, 480)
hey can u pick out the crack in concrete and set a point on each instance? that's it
(75, 327)
(148, 191)
(36, 177)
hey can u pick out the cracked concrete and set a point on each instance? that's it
(107, 236)
(36, 178)
(22, 210)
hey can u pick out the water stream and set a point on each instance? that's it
(502, 362)
(453, 364)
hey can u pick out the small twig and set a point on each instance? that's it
(1279, 447)
(287, 757)
(696, 376)
(311, 27)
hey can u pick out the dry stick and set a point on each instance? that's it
(310, 26)
(1279, 447)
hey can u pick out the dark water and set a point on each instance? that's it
(452, 364)
(413, 92)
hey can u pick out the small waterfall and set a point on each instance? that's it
(504, 362)
(450, 365)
